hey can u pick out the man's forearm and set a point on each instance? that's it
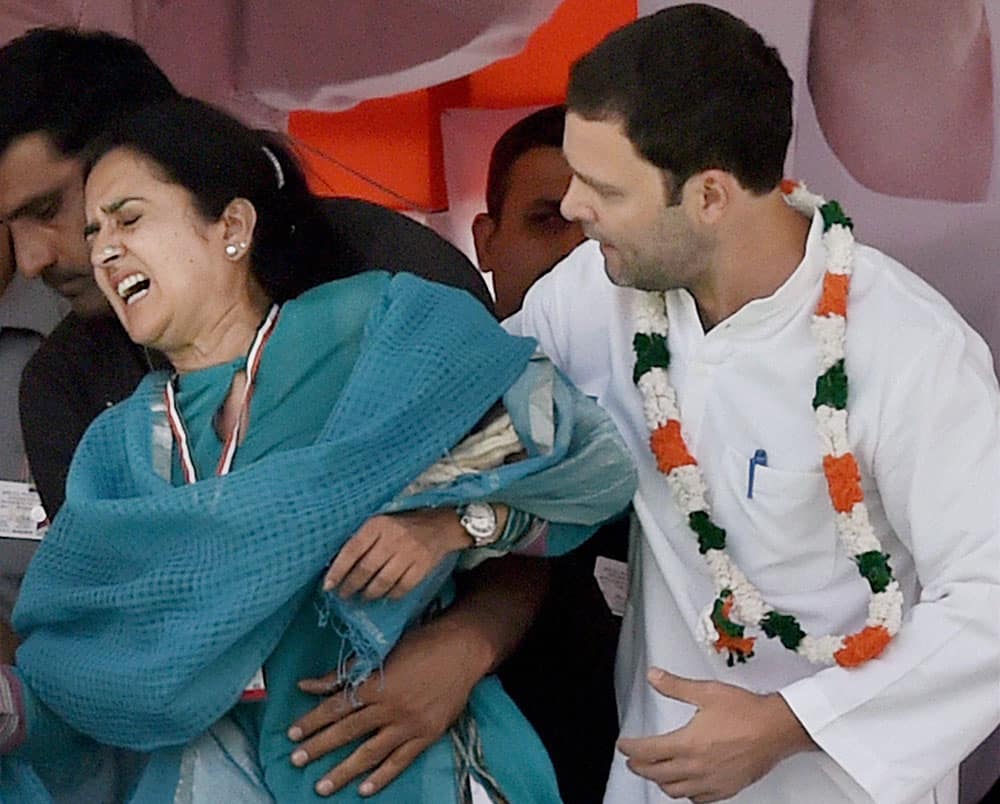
(496, 605)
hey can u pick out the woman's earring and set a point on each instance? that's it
(231, 250)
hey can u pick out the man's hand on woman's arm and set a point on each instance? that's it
(426, 681)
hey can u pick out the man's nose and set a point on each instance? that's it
(572, 206)
(33, 253)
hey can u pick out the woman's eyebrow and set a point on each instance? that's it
(114, 206)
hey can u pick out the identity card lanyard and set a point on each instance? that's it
(255, 689)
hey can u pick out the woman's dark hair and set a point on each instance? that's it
(695, 88)
(217, 159)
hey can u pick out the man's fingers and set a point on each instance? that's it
(324, 685)
(356, 547)
(647, 750)
(365, 757)
(353, 727)
(393, 765)
(669, 771)
(677, 687)
(331, 711)
(676, 777)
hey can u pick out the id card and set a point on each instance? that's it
(21, 513)
(256, 689)
(612, 580)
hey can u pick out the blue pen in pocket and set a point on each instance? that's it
(759, 458)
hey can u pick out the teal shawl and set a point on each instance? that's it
(149, 606)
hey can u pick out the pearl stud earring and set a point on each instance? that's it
(231, 250)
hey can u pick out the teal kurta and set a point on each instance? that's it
(142, 636)
(295, 391)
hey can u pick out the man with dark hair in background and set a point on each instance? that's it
(28, 312)
(520, 237)
(523, 234)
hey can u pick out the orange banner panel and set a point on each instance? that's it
(538, 74)
(386, 150)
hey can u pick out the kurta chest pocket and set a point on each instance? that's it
(782, 536)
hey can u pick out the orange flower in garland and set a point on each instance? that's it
(866, 644)
(834, 298)
(731, 637)
(844, 480)
(668, 446)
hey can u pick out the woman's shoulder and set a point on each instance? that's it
(334, 306)
(349, 290)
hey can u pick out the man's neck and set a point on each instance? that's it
(758, 250)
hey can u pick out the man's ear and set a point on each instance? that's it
(239, 220)
(483, 227)
(712, 192)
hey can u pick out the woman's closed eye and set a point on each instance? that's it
(125, 222)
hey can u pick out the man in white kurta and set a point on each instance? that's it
(923, 411)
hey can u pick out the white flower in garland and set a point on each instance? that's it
(738, 604)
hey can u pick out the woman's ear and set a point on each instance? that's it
(239, 219)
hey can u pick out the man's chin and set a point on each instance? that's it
(89, 304)
(613, 269)
(82, 293)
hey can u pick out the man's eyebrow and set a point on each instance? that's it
(596, 184)
(33, 206)
(544, 206)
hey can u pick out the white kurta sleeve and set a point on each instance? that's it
(899, 723)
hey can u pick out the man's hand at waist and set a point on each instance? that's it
(734, 738)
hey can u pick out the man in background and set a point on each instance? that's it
(28, 312)
(520, 237)
(523, 234)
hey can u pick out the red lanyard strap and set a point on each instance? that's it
(232, 440)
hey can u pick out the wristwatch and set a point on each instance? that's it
(480, 522)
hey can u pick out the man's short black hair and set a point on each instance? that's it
(695, 88)
(541, 129)
(70, 84)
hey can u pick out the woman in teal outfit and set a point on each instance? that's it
(201, 512)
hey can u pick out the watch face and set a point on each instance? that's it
(480, 522)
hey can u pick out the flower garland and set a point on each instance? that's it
(738, 604)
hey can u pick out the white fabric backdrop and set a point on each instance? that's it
(262, 58)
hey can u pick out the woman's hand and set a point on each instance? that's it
(392, 554)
